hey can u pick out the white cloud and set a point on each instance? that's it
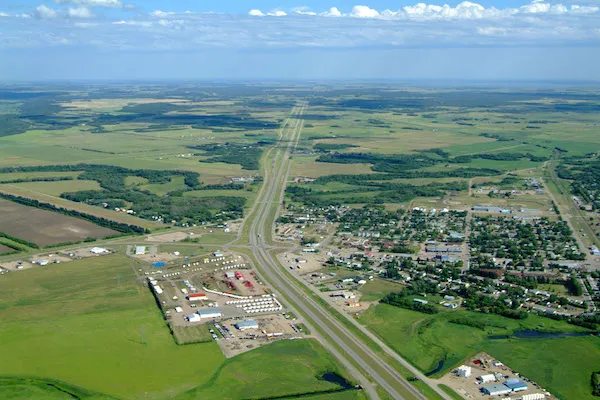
(303, 11)
(44, 12)
(161, 14)
(3, 14)
(93, 3)
(332, 12)
(256, 13)
(277, 13)
(584, 9)
(364, 12)
(79, 12)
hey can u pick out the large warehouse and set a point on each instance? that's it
(496, 390)
(205, 313)
(247, 324)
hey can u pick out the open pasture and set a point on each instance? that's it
(53, 188)
(57, 319)
(44, 227)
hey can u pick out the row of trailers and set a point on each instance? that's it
(265, 303)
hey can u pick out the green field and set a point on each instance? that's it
(58, 323)
(424, 340)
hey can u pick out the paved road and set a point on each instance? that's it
(341, 341)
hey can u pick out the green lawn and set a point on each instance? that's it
(88, 323)
(375, 289)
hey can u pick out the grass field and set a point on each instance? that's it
(375, 289)
(58, 323)
(424, 340)
(45, 227)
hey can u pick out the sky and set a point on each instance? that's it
(199, 40)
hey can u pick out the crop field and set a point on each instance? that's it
(425, 340)
(57, 319)
(81, 207)
(53, 188)
(5, 249)
(44, 227)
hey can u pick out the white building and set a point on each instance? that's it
(193, 318)
(98, 250)
(140, 250)
(464, 371)
(487, 378)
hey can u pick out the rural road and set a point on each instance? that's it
(353, 353)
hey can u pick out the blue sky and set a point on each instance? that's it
(325, 39)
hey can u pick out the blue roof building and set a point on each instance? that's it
(515, 385)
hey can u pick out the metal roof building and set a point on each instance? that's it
(247, 324)
(515, 385)
(209, 313)
(496, 390)
(140, 250)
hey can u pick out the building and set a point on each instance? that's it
(247, 324)
(140, 250)
(218, 253)
(42, 262)
(98, 250)
(496, 390)
(464, 371)
(193, 318)
(197, 297)
(206, 313)
(439, 249)
(230, 274)
(420, 301)
(515, 385)
(487, 378)
(595, 251)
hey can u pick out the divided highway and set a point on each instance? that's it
(352, 352)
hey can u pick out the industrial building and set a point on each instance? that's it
(247, 324)
(515, 385)
(193, 318)
(464, 371)
(487, 378)
(197, 297)
(206, 313)
(496, 390)
(140, 250)
(98, 250)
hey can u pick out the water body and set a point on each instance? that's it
(436, 369)
(332, 377)
(529, 334)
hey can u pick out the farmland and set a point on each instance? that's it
(46, 228)
(97, 304)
